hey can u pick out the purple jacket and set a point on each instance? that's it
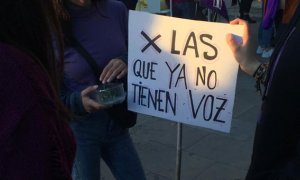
(102, 31)
(270, 11)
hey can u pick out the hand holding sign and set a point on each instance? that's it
(240, 48)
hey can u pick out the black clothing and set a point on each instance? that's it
(276, 149)
(245, 6)
(130, 4)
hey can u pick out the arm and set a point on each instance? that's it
(72, 101)
(248, 62)
(81, 103)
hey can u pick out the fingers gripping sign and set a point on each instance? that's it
(241, 48)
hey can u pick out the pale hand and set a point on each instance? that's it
(241, 50)
(116, 68)
(89, 104)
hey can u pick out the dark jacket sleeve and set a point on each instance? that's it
(73, 101)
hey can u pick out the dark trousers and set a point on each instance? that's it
(245, 6)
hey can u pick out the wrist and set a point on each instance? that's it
(260, 75)
(251, 67)
(260, 72)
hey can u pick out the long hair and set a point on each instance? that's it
(33, 26)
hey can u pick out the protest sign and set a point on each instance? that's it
(181, 70)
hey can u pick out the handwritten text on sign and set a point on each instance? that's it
(181, 70)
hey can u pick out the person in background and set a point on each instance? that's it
(100, 27)
(131, 4)
(183, 8)
(276, 21)
(142, 5)
(286, 12)
(35, 139)
(245, 6)
(289, 8)
(276, 148)
(266, 31)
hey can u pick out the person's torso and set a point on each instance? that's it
(278, 129)
(102, 31)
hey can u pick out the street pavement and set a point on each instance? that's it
(206, 154)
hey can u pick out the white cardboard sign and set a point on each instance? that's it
(181, 70)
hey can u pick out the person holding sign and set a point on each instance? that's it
(276, 149)
(96, 31)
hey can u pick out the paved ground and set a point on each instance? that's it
(206, 154)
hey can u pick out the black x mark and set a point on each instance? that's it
(151, 42)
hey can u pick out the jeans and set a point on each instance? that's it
(102, 138)
(265, 36)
